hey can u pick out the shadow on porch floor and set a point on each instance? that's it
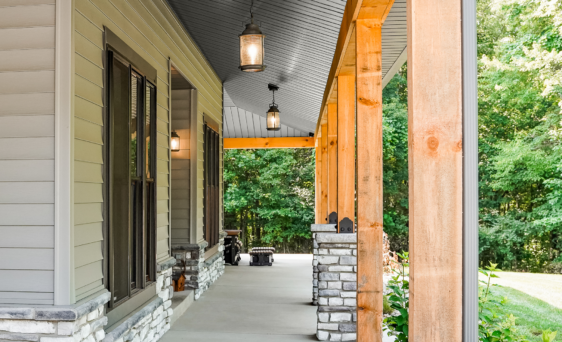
(253, 304)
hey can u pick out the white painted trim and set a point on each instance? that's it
(395, 67)
(64, 136)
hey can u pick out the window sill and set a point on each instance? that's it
(129, 307)
(212, 251)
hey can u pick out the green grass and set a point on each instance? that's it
(533, 315)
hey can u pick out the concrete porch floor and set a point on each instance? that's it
(251, 304)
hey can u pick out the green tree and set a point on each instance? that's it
(269, 195)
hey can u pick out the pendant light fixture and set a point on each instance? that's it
(273, 120)
(251, 47)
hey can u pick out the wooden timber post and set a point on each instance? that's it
(318, 181)
(369, 180)
(346, 148)
(324, 176)
(435, 109)
(332, 160)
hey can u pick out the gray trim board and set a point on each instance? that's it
(470, 172)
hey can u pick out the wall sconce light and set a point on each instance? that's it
(175, 142)
(251, 47)
(273, 120)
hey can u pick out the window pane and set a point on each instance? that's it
(119, 178)
(135, 86)
(148, 130)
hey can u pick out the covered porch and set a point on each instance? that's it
(253, 304)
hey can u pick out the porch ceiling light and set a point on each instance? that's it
(251, 47)
(175, 143)
(273, 120)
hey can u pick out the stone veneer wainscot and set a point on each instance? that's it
(335, 272)
(85, 321)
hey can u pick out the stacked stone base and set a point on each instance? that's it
(50, 324)
(200, 273)
(336, 263)
(85, 321)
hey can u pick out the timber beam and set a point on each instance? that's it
(343, 62)
(293, 142)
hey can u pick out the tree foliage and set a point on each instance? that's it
(269, 195)
(520, 65)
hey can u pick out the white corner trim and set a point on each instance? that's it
(395, 67)
(64, 132)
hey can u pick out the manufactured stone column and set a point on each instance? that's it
(335, 259)
(318, 228)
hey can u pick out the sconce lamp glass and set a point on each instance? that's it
(175, 142)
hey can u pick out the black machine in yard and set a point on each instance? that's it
(261, 256)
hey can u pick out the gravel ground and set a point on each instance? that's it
(547, 287)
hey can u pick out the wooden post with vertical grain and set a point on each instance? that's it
(318, 181)
(435, 109)
(369, 180)
(346, 147)
(332, 159)
(324, 177)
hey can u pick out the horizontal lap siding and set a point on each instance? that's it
(149, 28)
(181, 120)
(88, 158)
(27, 126)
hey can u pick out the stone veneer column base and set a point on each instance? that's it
(336, 263)
(200, 273)
(318, 228)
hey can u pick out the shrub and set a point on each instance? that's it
(399, 300)
(493, 326)
(386, 308)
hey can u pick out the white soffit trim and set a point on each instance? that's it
(395, 67)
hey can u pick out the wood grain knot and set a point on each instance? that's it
(433, 143)
(458, 146)
(368, 102)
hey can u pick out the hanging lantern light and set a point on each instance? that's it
(251, 47)
(273, 120)
(175, 143)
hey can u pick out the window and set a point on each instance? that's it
(211, 183)
(130, 179)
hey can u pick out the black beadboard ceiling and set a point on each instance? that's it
(301, 36)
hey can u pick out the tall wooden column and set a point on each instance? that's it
(369, 179)
(435, 165)
(346, 147)
(332, 158)
(324, 176)
(318, 181)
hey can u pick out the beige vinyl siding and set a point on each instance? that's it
(151, 29)
(27, 126)
(181, 122)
